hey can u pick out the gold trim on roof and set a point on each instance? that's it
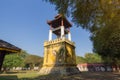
(9, 50)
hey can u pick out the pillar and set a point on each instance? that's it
(62, 31)
(69, 36)
(50, 35)
(2, 55)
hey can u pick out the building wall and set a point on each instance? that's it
(97, 67)
(59, 52)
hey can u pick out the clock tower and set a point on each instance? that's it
(59, 53)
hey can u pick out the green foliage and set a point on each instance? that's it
(23, 54)
(107, 44)
(80, 59)
(93, 58)
(33, 60)
(89, 58)
(83, 12)
(13, 60)
(89, 14)
(22, 59)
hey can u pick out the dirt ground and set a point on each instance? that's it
(87, 76)
(95, 76)
(81, 76)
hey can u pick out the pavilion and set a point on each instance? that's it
(6, 48)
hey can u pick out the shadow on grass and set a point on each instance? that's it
(10, 77)
(12, 72)
(15, 72)
(42, 77)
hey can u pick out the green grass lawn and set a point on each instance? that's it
(33, 75)
(19, 75)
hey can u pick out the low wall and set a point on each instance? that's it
(97, 67)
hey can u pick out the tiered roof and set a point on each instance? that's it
(57, 22)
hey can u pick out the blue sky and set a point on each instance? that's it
(23, 23)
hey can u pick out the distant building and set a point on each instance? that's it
(94, 67)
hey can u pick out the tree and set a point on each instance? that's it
(80, 59)
(88, 13)
(13, 60)
(107, 44)
(33, 60)
(101, 18)
(22, 59)
(23, 54)
(93, 58)
(106, 40)
(89, 58)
